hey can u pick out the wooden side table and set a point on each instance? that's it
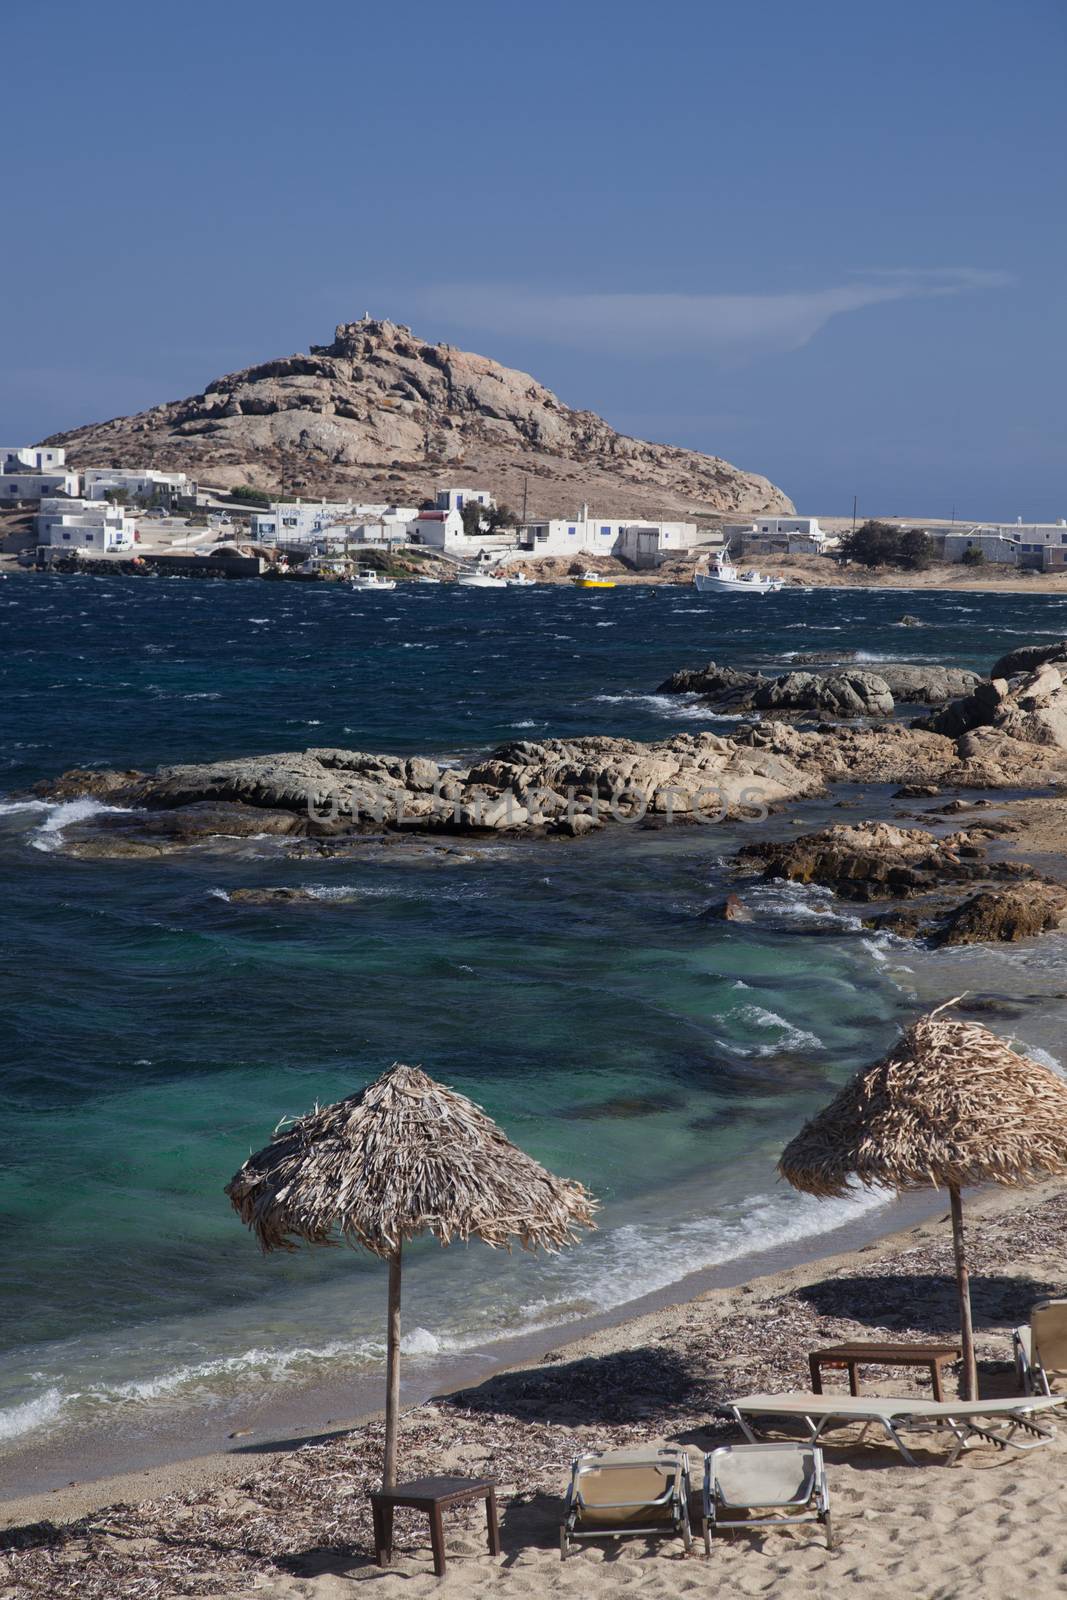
(935, 1357)
(432, 1495)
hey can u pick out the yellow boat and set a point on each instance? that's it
(593, 580)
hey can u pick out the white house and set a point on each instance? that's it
(296, 521)
(1041, 545)
(138, 483)
(27, 472)
(93, 525)
(456, 499)
(605, 536)
(32, 458)
(443, 529)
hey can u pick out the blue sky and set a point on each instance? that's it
(825, 241)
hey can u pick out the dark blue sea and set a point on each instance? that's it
(156, 1031)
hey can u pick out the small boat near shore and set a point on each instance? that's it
(520, 581)
(479, 580)
(372, 580)
(727, 580)
(593, 580)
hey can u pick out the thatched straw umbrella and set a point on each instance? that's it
(402, 1157)
(949, 1107)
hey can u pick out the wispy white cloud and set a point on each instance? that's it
(724, 326)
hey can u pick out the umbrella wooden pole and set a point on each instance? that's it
(392, 1371)
(969, 1382)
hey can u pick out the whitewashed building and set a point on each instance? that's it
(442, 529)
(95, 526)
(296, 521)
(605, 536)
(137, 483)
(29, 472)
(456, 499)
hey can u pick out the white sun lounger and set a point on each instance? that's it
(1008, 1424)
(1041, 1347)
(786, 1482)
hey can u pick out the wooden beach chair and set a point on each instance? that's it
(1041, 1347)
(615, 1493)
(788, 1481)
(1009, 1424)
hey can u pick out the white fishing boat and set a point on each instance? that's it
(726, 579)
(372, 580)
(479, 580)
(423, 578)
(520, 581)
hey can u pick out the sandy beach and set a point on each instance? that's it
(293, 1524)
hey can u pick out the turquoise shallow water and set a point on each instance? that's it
(156, 1031)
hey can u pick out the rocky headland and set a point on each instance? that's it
(384, 415)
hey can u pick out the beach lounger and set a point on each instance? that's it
(1008, 1424)
(1041, 1347)
(786, 1480)
(613, 1493)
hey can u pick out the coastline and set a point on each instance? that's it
(803, 574)
(35, 1482)
(521, 1422)
(196, 1448)
(209, 1466)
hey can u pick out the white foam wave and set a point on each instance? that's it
(635, 1260)
(31, 1414)
(1043, 1057)
(791, 1038)
(668, 705)
(62, 814)
(803, 903)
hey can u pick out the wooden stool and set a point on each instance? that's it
(431, 1495)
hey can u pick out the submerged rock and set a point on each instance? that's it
(285, 896)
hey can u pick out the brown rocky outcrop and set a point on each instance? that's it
(873, 860)
(1020, 911)
(382, 413)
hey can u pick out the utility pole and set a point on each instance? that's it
(855, 502)
(525, 494)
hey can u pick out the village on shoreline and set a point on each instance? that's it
(144, 521)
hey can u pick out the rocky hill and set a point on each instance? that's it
(382, 413)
